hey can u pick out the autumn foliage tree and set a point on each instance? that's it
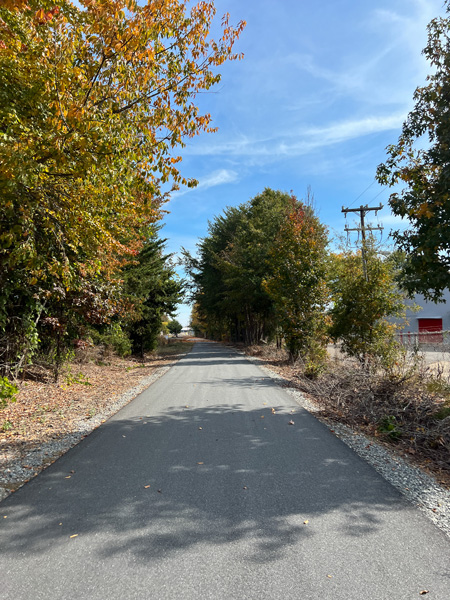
(95, 99)
(421, 162)
(362, 303)
(296, 282)
(261, 270)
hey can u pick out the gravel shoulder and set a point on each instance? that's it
(418, 487)
(23, 454)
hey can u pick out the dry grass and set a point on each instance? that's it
(408, 409)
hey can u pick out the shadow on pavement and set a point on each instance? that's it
(216, 475)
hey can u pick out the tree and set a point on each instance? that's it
(152, 289)
(361, 305)
(231, 266)
(425, 201)
(94, 100)
(296, 282)
(174, 327)
(197, 323)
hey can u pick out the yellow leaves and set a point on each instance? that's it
(102, 59)
(14, 5)
(424, 210)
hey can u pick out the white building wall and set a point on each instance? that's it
(428, 310)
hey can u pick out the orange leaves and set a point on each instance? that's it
(42, 16)
(14, 5)
(97, 98)
(424, 210)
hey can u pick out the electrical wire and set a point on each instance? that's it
(362, 193)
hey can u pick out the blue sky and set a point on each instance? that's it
(322, 90)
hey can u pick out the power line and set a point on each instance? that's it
(362, 193)
(363, 210)
(379, 193)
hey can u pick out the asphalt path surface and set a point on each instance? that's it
(198, 489)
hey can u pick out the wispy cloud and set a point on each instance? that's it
(298, 143)
(354, 128)
(220, 177)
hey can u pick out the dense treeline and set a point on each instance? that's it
(264, 272)
(231, 266)
(95, 97)
(261, 272)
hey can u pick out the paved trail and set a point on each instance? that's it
(241, 505)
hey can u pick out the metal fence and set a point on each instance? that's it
(425, 340)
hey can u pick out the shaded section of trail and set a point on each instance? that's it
(241, 504)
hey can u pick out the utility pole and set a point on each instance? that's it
(363, 210)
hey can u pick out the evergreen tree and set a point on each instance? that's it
(153, 290)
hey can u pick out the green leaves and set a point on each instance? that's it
(8, 391)
(296, 282)
(425, 172)
(94, 99)
(229, 273)
(361, 306)
(261, 271)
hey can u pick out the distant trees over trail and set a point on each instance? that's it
(264, 271)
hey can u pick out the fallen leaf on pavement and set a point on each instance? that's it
(273, 411)
(146, 487)
(200, 427)
(199, 463)
(74, 535)
(262, 416)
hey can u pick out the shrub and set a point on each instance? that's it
(113, 338)
(8, 391)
